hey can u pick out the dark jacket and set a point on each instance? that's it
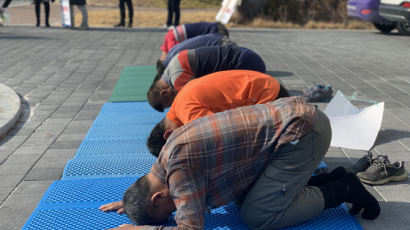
(77, 2)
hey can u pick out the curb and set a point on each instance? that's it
(10, 108)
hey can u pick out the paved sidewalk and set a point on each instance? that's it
(10, 109)
(65, 76)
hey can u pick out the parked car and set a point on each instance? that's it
(397, 11)
(368, 10)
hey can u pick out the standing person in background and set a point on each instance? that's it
(122, 13)
(173, 8)
(46, 4)
(3, 11)
(81, 6)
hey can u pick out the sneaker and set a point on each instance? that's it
(363, 163)
(381, 172)
(4, 15)
(319, 93)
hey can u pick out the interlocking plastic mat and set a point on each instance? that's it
(133, 83)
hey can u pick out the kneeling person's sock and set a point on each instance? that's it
(350, 189)
(325, 178)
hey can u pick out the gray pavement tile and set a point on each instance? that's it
(10, 181)
(395, 192)
(60, 153)
(5, 192)
(47, 168)
(389, 219)
(78, 127)
(66, 83)
(65, 144)
(15, 211)
(87, 114)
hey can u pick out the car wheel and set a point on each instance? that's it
(403, 28)
(385, 28)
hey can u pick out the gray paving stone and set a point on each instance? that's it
(66, 78)
(17, 208)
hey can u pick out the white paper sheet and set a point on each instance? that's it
(353, 128)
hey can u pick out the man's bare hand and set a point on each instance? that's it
(114, 206)
(127, 227)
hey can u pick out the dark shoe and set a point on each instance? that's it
(325, 178)
(121, 24)
(47, 24)
(350, 189)
(319, 93)
(381, 172)
(129, 24)
(360, 198)
(38, 24)
(362, 164)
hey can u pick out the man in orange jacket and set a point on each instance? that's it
(214, 93)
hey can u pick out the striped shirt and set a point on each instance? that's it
(196, 42)
(214, 160)
(195, 63)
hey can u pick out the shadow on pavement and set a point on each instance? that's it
(390, 135)
(293, 92)
(21, 37)
(24, 116)
(279, 73)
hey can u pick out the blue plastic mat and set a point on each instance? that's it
(108, 166)
(226, 217)
(119, 131)
(322, 165)
(85, 191)
(74, 218)
(73, 204)
(142, 118)
(112, 146)
(127, 107)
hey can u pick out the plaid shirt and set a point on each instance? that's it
(214, 160)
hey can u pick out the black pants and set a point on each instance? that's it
(6, 3)
(130, 11)
(46, 9)
(173, 7)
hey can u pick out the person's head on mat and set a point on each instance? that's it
(194, 63)
(210, 94)
(259, 156)
(159, 135)
(143, 206)
(160, 95)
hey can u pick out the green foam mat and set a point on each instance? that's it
(133, 83)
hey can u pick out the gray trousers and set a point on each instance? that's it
(280, 197)
(84, 13)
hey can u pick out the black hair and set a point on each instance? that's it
(282, 92)
(154, 96)
(156, 140)
(223, 30)
(160, 67)
(137, 203)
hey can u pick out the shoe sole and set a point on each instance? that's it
(386, 180)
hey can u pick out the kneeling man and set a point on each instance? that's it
(259, 156)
